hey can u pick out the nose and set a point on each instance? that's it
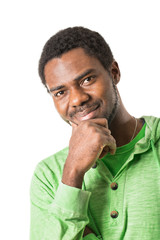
(78, 97)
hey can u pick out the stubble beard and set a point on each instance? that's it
(115, 106)
(109, 116)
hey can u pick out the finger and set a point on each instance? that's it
(104, 130)
(107, 150)
(104, 152)
(74, 125)
(100, 121)
(107, 137)
(112, 146)
(112, 151)
(109, 146)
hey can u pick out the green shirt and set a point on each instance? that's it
(131, 211)
(116, 161)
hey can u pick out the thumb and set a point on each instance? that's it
(74, 125)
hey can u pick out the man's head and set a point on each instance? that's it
(70, 38)
(77, 67)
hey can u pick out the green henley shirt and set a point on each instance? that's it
(121, 206)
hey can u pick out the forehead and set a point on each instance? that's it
(69, 66)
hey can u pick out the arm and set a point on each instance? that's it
(52, 218)
(90, 140)
(61, 212)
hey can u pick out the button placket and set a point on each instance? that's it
(113, 213)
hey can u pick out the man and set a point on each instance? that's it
(106, 185)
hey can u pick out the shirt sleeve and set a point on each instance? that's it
(59, 215)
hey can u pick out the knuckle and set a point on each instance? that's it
(105, 121)
(86, 123)
(98, 138)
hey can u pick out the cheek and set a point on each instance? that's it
(107, 91)
(101, 92)
(61, 108)
(102, 87)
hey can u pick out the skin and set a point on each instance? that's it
(85, 94)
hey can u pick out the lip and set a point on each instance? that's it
(87, 114)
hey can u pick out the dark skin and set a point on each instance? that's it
(85, 94)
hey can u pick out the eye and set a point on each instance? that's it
(58, 94)
(88, 80)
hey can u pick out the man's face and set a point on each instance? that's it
(82, 89)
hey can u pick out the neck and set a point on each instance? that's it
(124, 126)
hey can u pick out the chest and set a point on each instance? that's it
(133, 195)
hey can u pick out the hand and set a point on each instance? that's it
(91, 139)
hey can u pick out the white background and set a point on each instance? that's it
(30, 127)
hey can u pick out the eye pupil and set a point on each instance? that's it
(87, 79)
(58, 94)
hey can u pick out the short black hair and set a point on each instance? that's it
(65, 40)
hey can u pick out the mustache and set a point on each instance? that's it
(83, 108)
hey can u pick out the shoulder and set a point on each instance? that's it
(153, 123)
(153, 127)
(53, 163)
(56, 160)
(48, 172)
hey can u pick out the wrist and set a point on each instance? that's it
(72, 177)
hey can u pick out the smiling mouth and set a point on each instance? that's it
(87, 114)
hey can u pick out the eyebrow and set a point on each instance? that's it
(76, 79)
(84, 74)
(56, 88)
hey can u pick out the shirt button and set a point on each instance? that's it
(114, 214)
(114, 186)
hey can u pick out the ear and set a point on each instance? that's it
(115, 72)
